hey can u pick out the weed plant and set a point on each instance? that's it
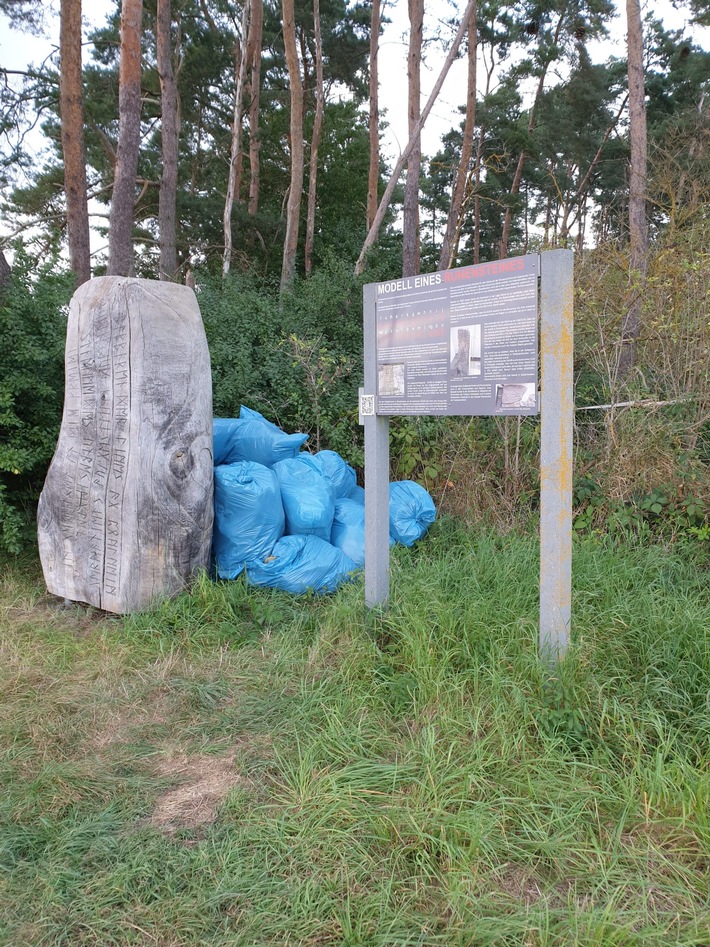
(413, 776)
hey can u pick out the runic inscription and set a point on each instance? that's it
(125, 517)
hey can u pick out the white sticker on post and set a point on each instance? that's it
(367, 405)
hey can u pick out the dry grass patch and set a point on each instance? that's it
(519, 884)
(203, 783)
(48, 611)
(113, 725)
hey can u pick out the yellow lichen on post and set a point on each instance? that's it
(557, 419)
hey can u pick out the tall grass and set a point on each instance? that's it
(416, 776)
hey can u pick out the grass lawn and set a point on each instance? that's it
(242, 768)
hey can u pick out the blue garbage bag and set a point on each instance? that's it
(300, 563)
(348, 532)
(259, 441)
(308, 499)
(248, 515)
(358, 495)
(250, 414)
(412, 511)
(337, 471)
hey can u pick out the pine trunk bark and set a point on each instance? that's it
(638, 225)
(256, 27)
(170, 133)
(384, 203)
(315, 141)
(449, 246)
(120, 243)
(410, 226)
(478, 163)
(293, 206)
(236, 149)
(5, 272)
(477, 196)
(71, 111)
(373, 176)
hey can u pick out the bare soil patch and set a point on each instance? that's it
(515, 882)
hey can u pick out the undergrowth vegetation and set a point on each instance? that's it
(239, 767)
(641, 466)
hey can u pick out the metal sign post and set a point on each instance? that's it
(557, 421)
(377, 467)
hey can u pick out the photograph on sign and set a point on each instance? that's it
(461, 341)
(465, 350)
(515, 396)
(391, 380)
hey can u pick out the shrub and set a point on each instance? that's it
(33, 329)
(296, 357)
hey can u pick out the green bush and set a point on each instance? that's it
(33, 329)
(296, 357)
(663, 512)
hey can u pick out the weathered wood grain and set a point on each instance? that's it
(125, 516)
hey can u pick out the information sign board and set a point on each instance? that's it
(464, 341)
(461, 341)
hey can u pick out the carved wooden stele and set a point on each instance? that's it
(125, 516)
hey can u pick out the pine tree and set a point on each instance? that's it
(120, 247)
(170, 133)
(638, 225)
(72, 115)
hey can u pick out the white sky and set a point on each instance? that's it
(18, 50)
(444, 115)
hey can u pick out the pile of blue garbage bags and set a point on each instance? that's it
(294, 520)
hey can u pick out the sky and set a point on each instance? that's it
(18, 50)
(393, 68)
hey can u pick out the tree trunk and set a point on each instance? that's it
(5, 272)
(477, 228)
(170, 133)
(582, 224)
(71, 111)
(410, 226)
(372, 233)
(293, 207)
(518, 176)
(477, 196)
(453, 223)
(236, 150)
(373, 176)
(315, 141)
(256, 26)
(638, 227)
(120, 243)
(478, 163)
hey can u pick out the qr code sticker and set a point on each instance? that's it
(367, 405)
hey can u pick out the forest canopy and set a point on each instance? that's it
(543, 129)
